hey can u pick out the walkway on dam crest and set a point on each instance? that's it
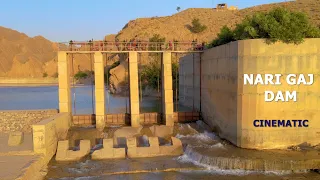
(123, 47)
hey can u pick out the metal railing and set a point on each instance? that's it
(129, 46)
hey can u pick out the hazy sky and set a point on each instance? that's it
(63, 20)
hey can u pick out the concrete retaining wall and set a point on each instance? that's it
(189, 81)
(230, 107)
(48, 132)
(22, 120)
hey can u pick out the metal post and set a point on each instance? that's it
(73, 87)
(177, 82)
(92, 94)
(127, 83)
(200, 81)
(108, 87)
(140, 78)
(192, 82)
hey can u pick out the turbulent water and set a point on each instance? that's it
(191, 165)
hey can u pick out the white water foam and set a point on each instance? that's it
(75, 170)
(218, 145)
(194, 158)
(78, 178)
(205, 136)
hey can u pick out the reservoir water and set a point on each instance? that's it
(46, 97)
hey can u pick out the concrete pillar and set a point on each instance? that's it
(99, 90)
(134, 89)
(167, 92)
(64, 83)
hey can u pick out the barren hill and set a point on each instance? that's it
(22, 56)
(176, 26)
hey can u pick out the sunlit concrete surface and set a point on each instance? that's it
(134, 89)
(230, 107)
(64, 154)
(99, 89)
(108, 151)
(22, 167)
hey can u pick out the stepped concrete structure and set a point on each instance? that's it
(64, 154)
(108, 151)
(175, 149)
(15, 138)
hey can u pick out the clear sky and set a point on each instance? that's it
(63, 20)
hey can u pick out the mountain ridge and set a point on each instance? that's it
(23, 56)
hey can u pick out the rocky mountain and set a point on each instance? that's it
(23, 56)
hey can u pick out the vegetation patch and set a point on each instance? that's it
(45, 74)
(55, 75)
(197, 27)
(278, 24)
(151, 74)
(157, 42)
(80, 75)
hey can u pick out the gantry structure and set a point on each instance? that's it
(99, 49)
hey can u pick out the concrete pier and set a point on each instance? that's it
(167, 92)
(99, 90)
(134, 89)
(64, 83)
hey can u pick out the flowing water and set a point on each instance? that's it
(186, 166)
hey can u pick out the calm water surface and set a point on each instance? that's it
(46, 97)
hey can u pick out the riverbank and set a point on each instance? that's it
(36, 82)
(26, 85)
(37, 85)
(5, 81)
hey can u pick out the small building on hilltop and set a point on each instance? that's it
(224, 6)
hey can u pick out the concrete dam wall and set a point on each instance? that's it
(239, 112)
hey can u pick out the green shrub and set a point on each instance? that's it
(151, 74)
(156, 38)
(226, 35)
(278, 24)
(80, 75)
(45, 74)
(55, 75)
(197, 27)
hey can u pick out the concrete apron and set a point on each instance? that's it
(206, 153)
